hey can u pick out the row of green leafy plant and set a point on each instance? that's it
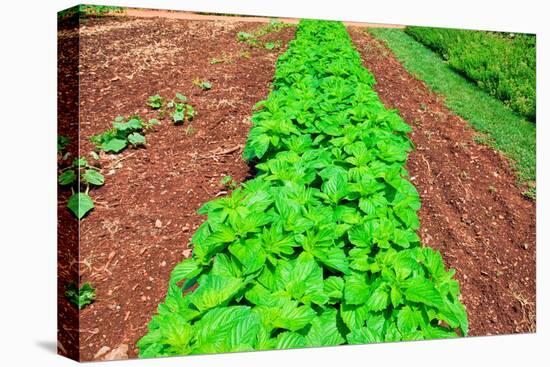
(320, 248)
(502, 64)
(130, 131)
(81, 176)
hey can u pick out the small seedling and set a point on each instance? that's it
(155, 102)
(181, 111)
(62, 143)
(531, 193)
(253, 39)
(80, 297)
(244, 36)
(125, 131)
(203, 84)
(149, 124)
(229, 182)
(273, 45)
(224, 58)
(78, 174)
(95, 155)
(244, 54)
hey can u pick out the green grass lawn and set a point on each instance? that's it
(502, 128)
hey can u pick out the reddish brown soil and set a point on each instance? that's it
(67, 252)
(472, 210)
(146, 212)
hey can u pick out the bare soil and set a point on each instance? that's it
(145, 213)
(472, 211)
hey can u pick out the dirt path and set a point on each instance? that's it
(472, 211)
(146, 212)
(172, 14)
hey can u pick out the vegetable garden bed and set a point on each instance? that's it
(145, 213)
(318, 246)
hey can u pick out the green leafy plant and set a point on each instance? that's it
(62, 144)
(80, 174)
(244, 36)
(229, 182)
(273, 45)
(178, 108)
(181, 111)
(320, 248)
(254, 39)
(80, 297)
(224, 58)
(125, 132)
(202, 84)
(155, 102)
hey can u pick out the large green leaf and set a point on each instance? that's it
(356, 289)
(186, 269)
(136, 139)
(114, 145)
(303, 279)
(363, 235)
(226, 329)
(294, 317)
(132, 125)
(250, 254)
(67, 178)
(324, 330)
(80, 204)
(333, 258)
(408, 320)
(93, 177)
(289, 340)
(364, 335)
(215, 290)
(423, 291)
(379, 299)
(334, 288)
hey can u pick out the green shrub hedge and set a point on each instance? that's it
(502, 64)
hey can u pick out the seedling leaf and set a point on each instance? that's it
(136, 139)
(80, 204)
